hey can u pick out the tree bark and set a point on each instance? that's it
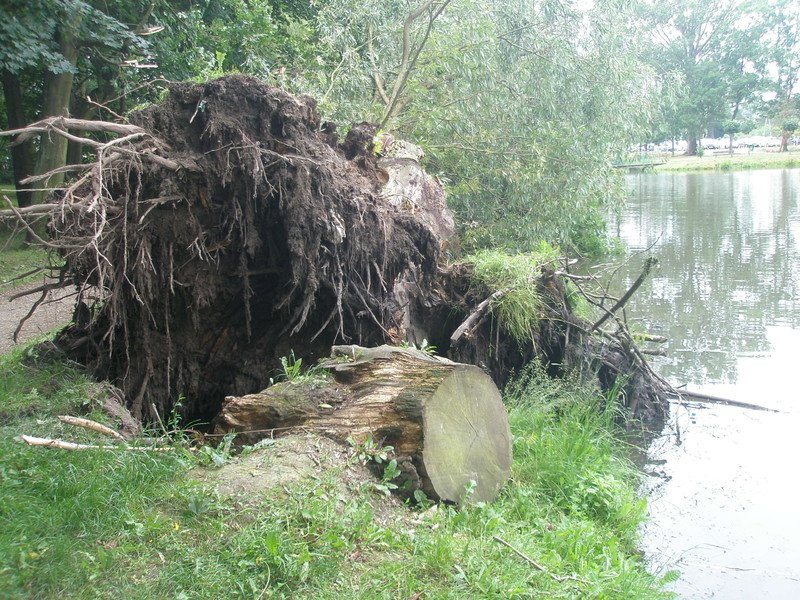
(21, 154)
(83, 111)
(445, 420)
(57, 94)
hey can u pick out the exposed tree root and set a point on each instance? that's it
(226, 227)
(223, 229)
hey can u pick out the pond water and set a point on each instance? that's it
(723, 484)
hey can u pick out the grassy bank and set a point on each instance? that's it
(102, 524)
(737, 162)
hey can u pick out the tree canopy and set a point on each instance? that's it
(729, 59)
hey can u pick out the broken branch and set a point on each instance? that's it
(52, 123)
(90, 425)
(648, 266)
(700, 397)
(64, 445)
(476, 314)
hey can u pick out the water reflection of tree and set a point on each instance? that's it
(729, 264)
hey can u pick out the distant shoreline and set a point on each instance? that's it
(725, 162)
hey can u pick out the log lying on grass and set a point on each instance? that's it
(445, 420)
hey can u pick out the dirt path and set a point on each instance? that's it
(55, 311)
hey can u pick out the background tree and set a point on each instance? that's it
(730, 128)
(788, 128)
(42, 42)
(520, 107)
(720, 51)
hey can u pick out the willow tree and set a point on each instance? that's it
(519, 106)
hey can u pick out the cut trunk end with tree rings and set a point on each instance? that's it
(445, 421)
(467, 436)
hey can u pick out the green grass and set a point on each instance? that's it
(102, 524)
(31, 384)
(710, 162)
(17, 257)
(518, 310)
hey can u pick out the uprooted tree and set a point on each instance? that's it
(228, 226)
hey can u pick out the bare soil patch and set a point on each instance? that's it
(283, 463)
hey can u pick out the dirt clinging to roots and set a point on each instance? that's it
(227, 227)
(267, 239)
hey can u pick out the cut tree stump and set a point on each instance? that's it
(445, 420)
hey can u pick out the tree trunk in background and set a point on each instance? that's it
(57, 94)
(691, 146)
(21, 155)
(80, 110)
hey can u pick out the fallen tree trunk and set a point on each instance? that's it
(445, 420)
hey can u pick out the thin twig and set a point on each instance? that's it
(648, 265)
(25, 224)
(158, 417)
(45, 287)
(23, 320)
(24, 275)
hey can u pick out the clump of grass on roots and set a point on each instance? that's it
(519, 309)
